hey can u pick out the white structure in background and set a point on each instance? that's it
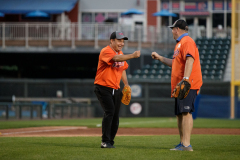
(89, 12)
(65, 28)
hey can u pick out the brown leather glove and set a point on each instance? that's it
(182, 89)
(126, 95)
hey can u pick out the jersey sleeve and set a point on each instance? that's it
(107, 57)
(189, 50)
(125, 66)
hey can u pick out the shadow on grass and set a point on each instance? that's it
(97, 145)
(79, 145)
(141, 147)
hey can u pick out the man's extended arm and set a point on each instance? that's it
(164, 60)
(121, 58)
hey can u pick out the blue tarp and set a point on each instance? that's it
(1, 14)
(164, 13)
(26, 6)
(132, 11)
(37, 14)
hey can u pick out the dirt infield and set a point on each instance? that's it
(84, 131)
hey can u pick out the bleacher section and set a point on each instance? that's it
(213, 57)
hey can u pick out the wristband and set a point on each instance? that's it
(185, 77)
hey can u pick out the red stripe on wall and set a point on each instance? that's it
(151, 8)
(73, 14)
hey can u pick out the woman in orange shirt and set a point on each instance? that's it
(185, 64)
(111, 69)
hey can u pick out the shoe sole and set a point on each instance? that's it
(181, 150)
(107, 147)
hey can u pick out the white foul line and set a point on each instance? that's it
(49, 130)
(126, 123)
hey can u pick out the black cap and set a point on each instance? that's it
(118, 35)
(180, 23)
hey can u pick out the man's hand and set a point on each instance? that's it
(136, 54)
(155, 55)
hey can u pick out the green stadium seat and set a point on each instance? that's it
(154, 66)
(129, 76)
(213, 57)
(155, 61)
(147, 66)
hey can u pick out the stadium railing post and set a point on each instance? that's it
(125, 42)
(71, 111)
(31, 112)
(73, 36)
(54, 110)
(50, 35)
(152, 29)
(96, 36)
(139, 37)
(79, 111)
(49, 111)
(7, 113)
(62, 110)
(26, 35)
(41, 111)
(20, 112)
(3, 35)
(146, 99)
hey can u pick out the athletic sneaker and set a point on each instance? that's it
(177, 146)
(106, 145)
(183, 148)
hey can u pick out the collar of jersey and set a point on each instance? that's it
(113, 49)
(180, 37)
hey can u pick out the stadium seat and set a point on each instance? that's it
(213, 57)
(155, 61)
(147, 66)
(154, 66)
(129, 76)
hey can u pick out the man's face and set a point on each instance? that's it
(117, 44)
(175, 33)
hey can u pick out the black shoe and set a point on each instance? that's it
(106, 145)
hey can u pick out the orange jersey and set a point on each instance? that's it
(186, 47)
(109, 73)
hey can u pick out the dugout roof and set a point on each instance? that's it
(26, 6)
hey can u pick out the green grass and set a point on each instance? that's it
(127, 148)
(124, 122)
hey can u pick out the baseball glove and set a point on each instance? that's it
(126, 95)
(182, 89)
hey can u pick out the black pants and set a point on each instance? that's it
(110, 100)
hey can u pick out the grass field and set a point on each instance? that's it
(127, 147)
(124, 122)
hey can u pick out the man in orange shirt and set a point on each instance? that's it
(185, 64)
(111, 69)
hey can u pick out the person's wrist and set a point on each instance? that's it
(185, 77)
(133, 55)
(160, 58)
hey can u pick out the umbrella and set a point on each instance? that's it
(164, 13)
(1, 14)
(37, 14)
(132, 11)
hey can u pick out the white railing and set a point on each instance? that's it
(91, 31)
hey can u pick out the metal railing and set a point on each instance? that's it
(22, 110)
(154, 96)
(93, 31)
